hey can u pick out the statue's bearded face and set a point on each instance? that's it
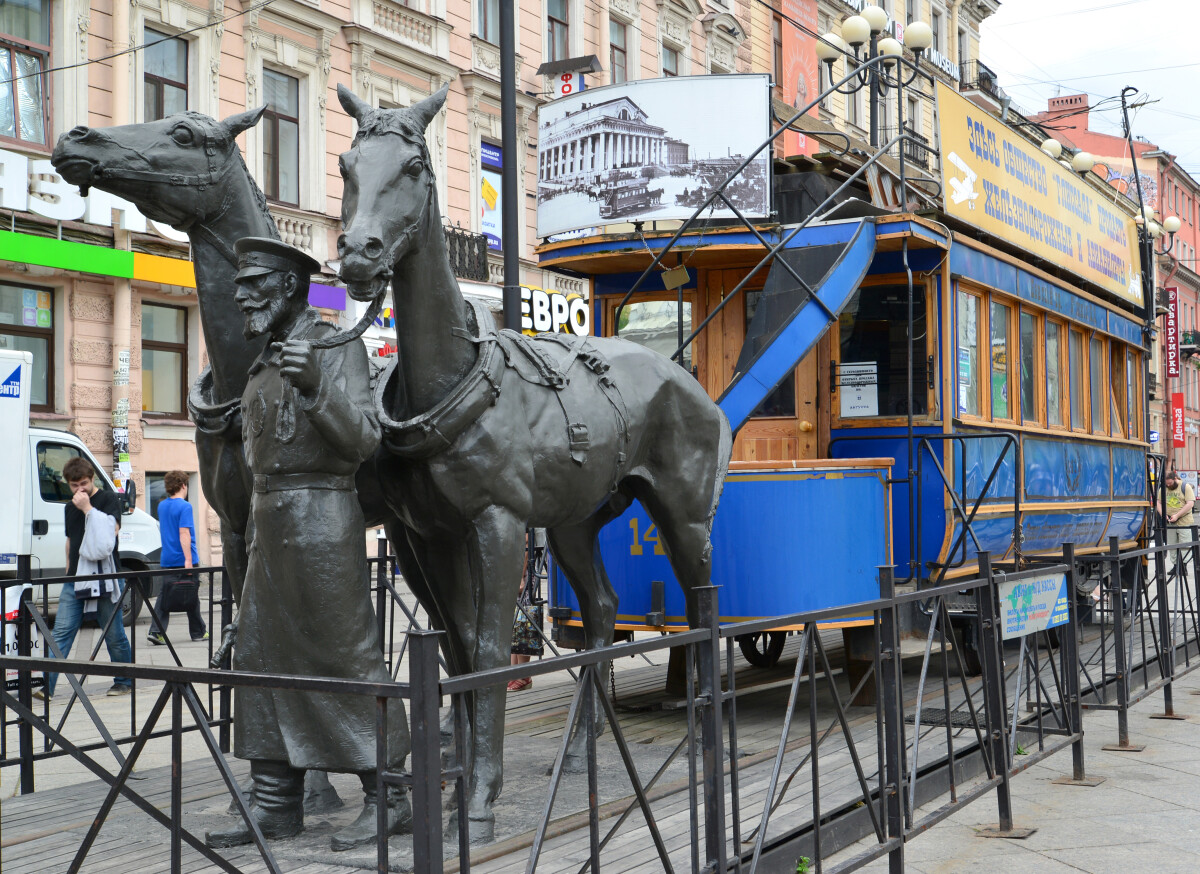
(267, 302)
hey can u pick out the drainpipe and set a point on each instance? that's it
(122, 295)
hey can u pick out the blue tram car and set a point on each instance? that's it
(924, 394)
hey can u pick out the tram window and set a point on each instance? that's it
(1097, 385)
(654, 324)
(1120, 412)
(872, 331)
(968, 354)
(1054, 411)
(1077, 381)
(1029, 410)
(1131, 381)
(1001, 406)
(781, 402)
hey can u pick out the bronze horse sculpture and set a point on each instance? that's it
(488, 433)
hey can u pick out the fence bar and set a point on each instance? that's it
(426, 757)
(893, 718)
(176, 780)
(711, 728)
(1166, 652)
(1116, 608)
(993, 683)
(25, 678)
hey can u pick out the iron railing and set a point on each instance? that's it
(978, 76)
(468, 253)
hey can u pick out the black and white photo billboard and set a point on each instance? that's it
(652, 150)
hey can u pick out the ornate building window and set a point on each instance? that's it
(558, 30)
(165, 75)
(164, 359)
(488, 12)
(617, 47)
(670, 61)
(281, 138)
(24, 50)
(27, 325)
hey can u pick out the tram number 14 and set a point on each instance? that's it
(651, 536)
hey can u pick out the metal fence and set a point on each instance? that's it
(856, 771)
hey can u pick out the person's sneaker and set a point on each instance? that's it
(203, 636)
(155, 638)
(118, 689)
(41, 695)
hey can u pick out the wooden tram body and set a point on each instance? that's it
(1027, 400)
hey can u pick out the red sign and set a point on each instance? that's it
(1177, 438)
(801, 81)
(1172, 332)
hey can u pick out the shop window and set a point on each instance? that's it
(164, 359)
(1078, 381)
(156, 492)
(873, 340)
(1098, 394)
(655, 325)
(27, 325)
(968, 354)
(1054, 382)
(281, 138)
(1001, 401)
(557, 31)
(165, 79)
(489, 20)
(617, 34)
(24, 52)
(781, 402)
(1028, 329)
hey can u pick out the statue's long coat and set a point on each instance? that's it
(306, 607)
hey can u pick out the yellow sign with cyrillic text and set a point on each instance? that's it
(1007, 187)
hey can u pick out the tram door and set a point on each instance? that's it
(786, 426)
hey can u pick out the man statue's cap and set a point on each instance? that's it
(259, 255)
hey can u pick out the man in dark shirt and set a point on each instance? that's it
(85, 497)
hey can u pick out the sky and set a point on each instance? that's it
(1049, 48)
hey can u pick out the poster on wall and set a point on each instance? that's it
(801, 81)
(491, 164)
(640, 151)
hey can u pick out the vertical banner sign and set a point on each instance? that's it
(491, 163)
(801, 81)
(1177, 438)
(1173, 332)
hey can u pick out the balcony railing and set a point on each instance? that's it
(916, 146)
(978, 76)
(468, 253)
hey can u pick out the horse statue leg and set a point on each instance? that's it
(576, 548)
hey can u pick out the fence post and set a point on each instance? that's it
(1069, 670)
(708, 664)
(890, 693)
(1116, 606)
(381, 592)
(25, 677)
(1166, 654)
(225, 696)
(425, 692)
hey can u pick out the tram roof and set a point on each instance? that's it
(724, 247)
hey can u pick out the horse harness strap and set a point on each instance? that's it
(436, 430)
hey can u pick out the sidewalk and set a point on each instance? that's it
(1145, 816)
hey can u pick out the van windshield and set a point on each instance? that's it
(51, 456)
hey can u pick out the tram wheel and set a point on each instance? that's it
(764, 649)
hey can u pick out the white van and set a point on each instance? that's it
(139, 545)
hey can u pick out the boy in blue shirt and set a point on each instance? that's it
(178, 531)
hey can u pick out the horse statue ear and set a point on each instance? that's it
(235, 124)
(424, 111)
(355, 106)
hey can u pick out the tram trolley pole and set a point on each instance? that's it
(1069, 670)
(1116, 606)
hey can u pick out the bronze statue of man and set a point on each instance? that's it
(308, 423)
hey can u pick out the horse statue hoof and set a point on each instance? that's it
(482, 829)
(573, 764)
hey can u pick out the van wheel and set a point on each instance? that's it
(131, 604)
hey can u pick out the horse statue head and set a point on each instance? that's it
(176, 170)
(389, 198)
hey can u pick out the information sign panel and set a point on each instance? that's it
(1033, 604)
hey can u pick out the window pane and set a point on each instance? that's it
(29, 98)
(1028, 368)
(156, 492)
(1053, 374)
(1077, 381)
(164, 324)
(282, 93)
(873, 341)
(654, 324)
(670, 61)
(968, 354)
(162, 378)
(174, 100)
(1131, 394)
(559, 42)
(40, 347)
(271, 158)
(27, 20)
(28, 307)
(7, 116)
(289, 162)
(51, 457)
(1097, 384)
(616, 34)
(557, 9)
(1118, 414)
(1000, 404)
(167, 57)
